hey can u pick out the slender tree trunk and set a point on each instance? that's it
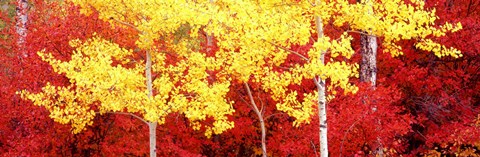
(368, 69)
(21, 25)
(260, 117)
(322, 102)
(152, 126)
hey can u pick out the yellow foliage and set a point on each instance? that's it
(394, 21)
(96, 82)
(253, 39)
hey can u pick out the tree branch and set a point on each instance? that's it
(129, 114)
(352, 31)
(127, 24)
(260, 117)
(314, 148)
(288, 50)
(349, 129)
(273, 115)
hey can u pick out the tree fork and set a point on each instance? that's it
(260, 118)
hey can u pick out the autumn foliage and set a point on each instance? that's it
(425, 102)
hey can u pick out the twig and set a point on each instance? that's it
(129, 114)
(314, 149)
(349, 129)
(421, 135)
(288, 50)
(273, 115)
(127, 24)
(352, 31)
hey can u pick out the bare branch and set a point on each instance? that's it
(288, 50)
(314, 149)
(129, 114)
(421, 134)
(260, 117)
(127, 24)
(359, 32)
(273, 115)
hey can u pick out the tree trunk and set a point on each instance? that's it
(368, 69)
(260, 118)
(21, 25)
(152, 126)
(368, 72)
(322, 102)
(368, 66)
(322, 114)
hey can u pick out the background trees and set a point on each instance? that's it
(413, 90)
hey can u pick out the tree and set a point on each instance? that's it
(27, 129)
(71, 104)
(99, 86)
(368, 65)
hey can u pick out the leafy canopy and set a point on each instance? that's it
(253, 39)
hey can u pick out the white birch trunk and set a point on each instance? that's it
(152, 126)
(21, 25)
(322, 102)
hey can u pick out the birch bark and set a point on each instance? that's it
(152, 126)
(322, 101)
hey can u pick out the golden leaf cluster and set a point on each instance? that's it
(253, 39)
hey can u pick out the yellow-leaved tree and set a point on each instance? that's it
(254, 40)
(105, 79)
(251, 41)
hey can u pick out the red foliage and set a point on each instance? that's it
(420, 101)
(440, 93)
(26, 129)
